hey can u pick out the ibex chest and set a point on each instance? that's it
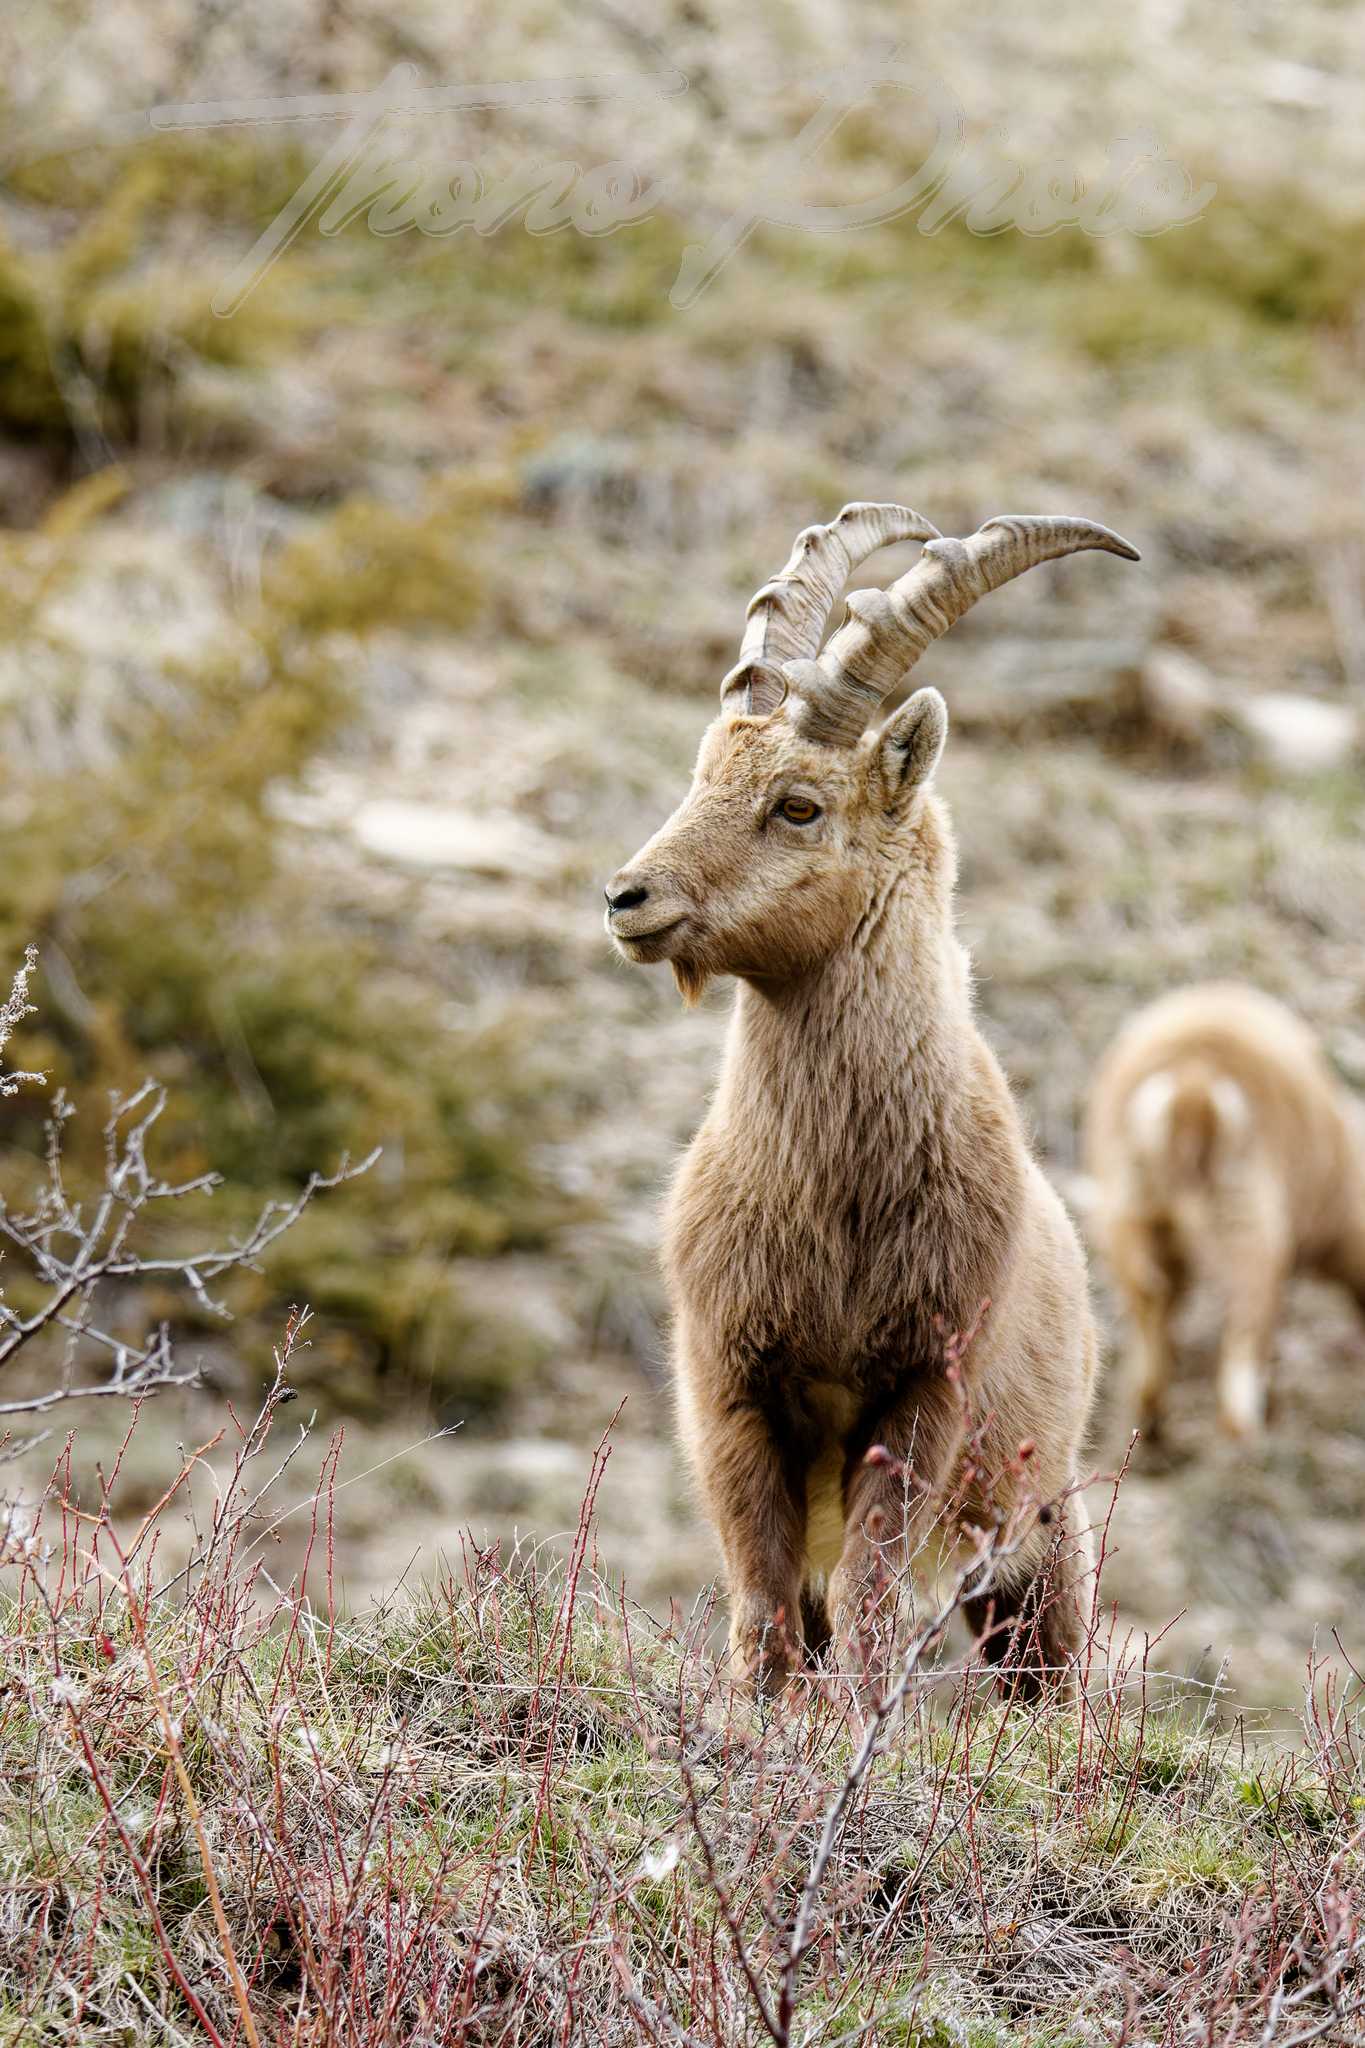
(847, 1295)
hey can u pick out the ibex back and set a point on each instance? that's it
(861, 1187)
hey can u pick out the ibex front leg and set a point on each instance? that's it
(756, 1502)
(891, 1499)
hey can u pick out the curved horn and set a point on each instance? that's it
(886, 631)
(787, 616)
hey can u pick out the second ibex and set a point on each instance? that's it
(861, 1186)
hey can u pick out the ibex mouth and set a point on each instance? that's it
(646, 946)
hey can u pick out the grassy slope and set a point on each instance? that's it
(535, 652)
(511, 1808)
(467, 530)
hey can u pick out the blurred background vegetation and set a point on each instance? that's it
(351, 639)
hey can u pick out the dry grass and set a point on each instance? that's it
(511, 1807)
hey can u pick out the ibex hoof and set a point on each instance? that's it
(763, 1658)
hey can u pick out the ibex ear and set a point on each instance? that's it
(909, 744)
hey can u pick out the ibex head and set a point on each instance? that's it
(795, 809)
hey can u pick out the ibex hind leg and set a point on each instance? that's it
(1250, 1255)
(1150, 1269)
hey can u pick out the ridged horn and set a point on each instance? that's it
(886, 631)
(786, 617)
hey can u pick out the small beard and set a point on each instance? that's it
(691, 981)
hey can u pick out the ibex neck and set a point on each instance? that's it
(873, 1040)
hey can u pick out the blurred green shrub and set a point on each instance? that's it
(97, 324)
(181, 936)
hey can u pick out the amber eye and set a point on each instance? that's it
(798, 810)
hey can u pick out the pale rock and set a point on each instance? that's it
(1301, 735)
(433, 835)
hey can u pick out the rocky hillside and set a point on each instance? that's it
(359, 634)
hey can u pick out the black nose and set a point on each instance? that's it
(625, 899)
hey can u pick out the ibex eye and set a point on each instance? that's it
(798, 810)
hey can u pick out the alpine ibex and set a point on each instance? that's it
(1222, 1147)
(861, 1185)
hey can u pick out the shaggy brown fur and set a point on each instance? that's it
(859, 1188)
(1222, 1147)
